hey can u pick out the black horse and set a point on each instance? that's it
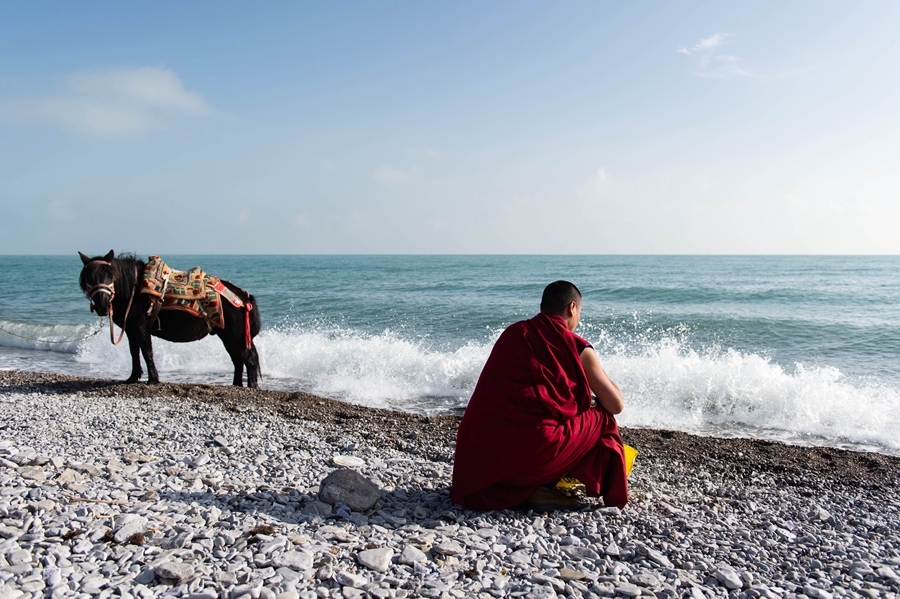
(112, 285)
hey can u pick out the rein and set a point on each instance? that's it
(110, 290)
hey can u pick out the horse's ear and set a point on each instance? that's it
(84, 258)
(109, 256)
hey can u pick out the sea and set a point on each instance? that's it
(799, 349)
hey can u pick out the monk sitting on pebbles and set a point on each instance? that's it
(532, 420)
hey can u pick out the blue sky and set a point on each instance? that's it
(463, 127)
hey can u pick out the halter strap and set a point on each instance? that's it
(107, 288)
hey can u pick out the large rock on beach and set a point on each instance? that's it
(350, 488)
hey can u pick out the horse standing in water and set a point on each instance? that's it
(113, 287)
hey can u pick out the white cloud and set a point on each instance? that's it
(712, 64)
(705, 45)
(113, 104)
(389, 175)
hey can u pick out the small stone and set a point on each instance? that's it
(138, 458)
(449, 547)
(295, 560)
(541, 592)
(646, 578)
(249, 590)
(206, 593)
(570, 574)
(729, 578)
(629, 590)
(376, 559)
(179, 541)
(129, 528)
(34, 473)
(654, 556)
(200, 460)
(412, 555)
(266, 593)
(92, 586)
(68, 476)
(177, 571)
(521, 557)
(350, 580)
(578, 553)
(146, 577)
(350, 488)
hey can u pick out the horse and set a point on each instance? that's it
(112, 285)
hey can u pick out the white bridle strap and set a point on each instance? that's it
(107, 288)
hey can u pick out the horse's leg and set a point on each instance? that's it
(134, 345)
(251, 359)
(238, 362)
(147, 350)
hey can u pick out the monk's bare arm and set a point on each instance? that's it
(607, 392)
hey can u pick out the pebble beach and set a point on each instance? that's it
(178, 490)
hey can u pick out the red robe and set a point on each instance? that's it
(530, 422)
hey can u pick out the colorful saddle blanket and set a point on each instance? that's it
(192, 291)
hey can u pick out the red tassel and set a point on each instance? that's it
(249, 340)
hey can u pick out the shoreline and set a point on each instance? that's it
(706, 515)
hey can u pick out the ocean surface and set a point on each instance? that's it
(804, 350)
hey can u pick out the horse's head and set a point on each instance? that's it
(97, 280)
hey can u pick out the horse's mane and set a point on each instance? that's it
(125, 268)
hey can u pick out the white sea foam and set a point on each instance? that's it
(667, 383)
(730, 392)
(63, 338)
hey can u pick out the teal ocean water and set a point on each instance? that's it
(799, 349)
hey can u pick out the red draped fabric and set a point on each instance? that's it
(530, 422)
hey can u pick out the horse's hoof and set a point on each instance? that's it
(131, 380)
(153, 382)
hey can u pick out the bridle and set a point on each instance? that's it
(110, 290)
(107, 288)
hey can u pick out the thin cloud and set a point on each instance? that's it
(113, 104)
(712, 64)
(706, 44)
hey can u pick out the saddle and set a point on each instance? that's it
(191, 291)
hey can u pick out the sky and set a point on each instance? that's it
(408, 127)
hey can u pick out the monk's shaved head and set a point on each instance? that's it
(557, 296)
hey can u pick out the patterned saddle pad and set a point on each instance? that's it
(191, 291)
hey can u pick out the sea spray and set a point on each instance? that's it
(735, 393)
(666, 383)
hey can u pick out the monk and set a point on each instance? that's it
(532, 419)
